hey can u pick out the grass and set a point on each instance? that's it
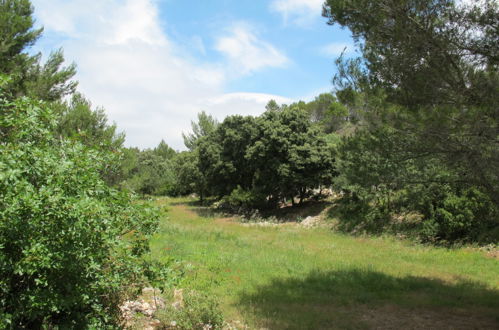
(288, 277)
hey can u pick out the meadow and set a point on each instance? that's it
(289, 277)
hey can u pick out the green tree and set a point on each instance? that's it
(272, 106)
(289, 155)
(149, 171)
(222, 155)
(79, 121)
(188, 178)
(437, 63)
(49, 81)
(205, 125)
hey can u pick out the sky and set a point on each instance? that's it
(153, 65)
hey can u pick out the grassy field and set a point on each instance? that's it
(290, 277)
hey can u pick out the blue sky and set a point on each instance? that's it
(154, 64)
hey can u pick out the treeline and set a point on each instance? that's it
(71, 246)
(409, 137)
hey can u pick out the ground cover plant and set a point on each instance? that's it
(285, 276)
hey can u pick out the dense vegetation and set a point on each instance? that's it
(407, 142)
(70, 245)
(409, 136)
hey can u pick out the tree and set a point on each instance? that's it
(205, 125)
(28, 76)
(272, 106)
(326, 111)
(289, 155)
(149, 171)
(79, 121)
(188, 178)
(50, 81)
(222, 155)
(17, 34)
(437, 64)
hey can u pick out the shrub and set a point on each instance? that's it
(70, 246)
(458, 214)
(241, 201)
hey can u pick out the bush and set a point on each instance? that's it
(452, 214)
(241, 201)
(70, 246)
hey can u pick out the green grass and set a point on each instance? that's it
(288, 277)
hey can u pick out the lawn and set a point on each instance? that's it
(290, 277)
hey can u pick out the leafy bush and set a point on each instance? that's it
(70, 246)
(198, 311)
(241, 201)
(453, 214)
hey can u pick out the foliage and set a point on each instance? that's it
(78, 121)
(70, 246)
(442, 77)
(424, 94)
(49, 81)
(222, 155)
(150, 171)
(205, 125)
(188, 178)
(277, 155)
(290, 155)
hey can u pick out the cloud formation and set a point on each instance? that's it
(146, 83)
(246, 52)
(299, 12)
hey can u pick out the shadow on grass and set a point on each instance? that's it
(283, 214)
(298, 212)
(201, 208)
(358, 299)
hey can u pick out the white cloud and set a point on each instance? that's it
(128, 65)
(299, 12)
(246, 53)
(336, 48)
(248, 103)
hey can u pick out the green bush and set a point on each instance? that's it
(453, 214)
(241, 201)
(70, 246)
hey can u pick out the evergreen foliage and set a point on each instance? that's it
(425, 92)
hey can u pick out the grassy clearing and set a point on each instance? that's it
(290, 277)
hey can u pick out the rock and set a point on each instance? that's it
(178, 297)
(310, 222)
(147, 305)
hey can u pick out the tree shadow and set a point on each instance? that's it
(364, 299)
(298, 212)
(206, 212)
